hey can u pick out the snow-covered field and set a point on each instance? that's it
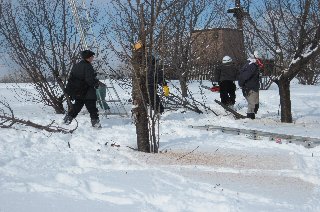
(222, 172)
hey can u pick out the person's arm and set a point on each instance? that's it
(160, 77)
(249, 73)
(245, 74)
(217, 74)
(90, 77)
(252, 71)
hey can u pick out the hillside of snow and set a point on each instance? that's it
(197, 170)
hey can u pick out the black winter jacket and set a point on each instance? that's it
(226, 71)
(84, 75)
(155, 73)
(249, 77)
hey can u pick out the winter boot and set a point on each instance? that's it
(96, 123)
(251, 115)
(67, 119)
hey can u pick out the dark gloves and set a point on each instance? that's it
(101, 84)
(71, 98)
(164, 83)
(217, 83)
(245, 91)
(96, 84)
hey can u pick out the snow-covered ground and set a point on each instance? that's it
(198, 170)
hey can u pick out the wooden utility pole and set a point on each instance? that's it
(239, 14)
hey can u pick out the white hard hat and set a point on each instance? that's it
(226, 59)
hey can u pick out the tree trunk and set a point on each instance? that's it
(141, 119)
(154, 143)
(285, 100)
(139, 110)
(58, 107)
(184, 87)
(58, 79)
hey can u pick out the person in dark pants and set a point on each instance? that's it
(81, 87)
(155, 78)
(249, 82)
(225, 75)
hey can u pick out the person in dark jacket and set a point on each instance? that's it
(155, 78)
(249, 82)
(81, 87)
(225, 75)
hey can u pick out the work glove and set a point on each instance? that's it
(96, 84)
(71, 98)
(245, 91)
(101, 84)
(166, 90)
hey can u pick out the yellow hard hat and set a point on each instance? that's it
(137, 45)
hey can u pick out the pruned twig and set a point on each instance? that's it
(188, 153)
(7, 120)
(176, 100)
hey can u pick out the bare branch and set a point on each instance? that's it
(7, 120)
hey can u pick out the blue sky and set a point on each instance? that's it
(5, 60)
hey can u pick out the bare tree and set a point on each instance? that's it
(41, 40)
(310, 75)
(290, 31)
(187, 16)
(131, 21)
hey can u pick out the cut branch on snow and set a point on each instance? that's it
(7, 120)
(173, 99)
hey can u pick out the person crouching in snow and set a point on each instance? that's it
(81, 87)
(225, 75)
(249, 82)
